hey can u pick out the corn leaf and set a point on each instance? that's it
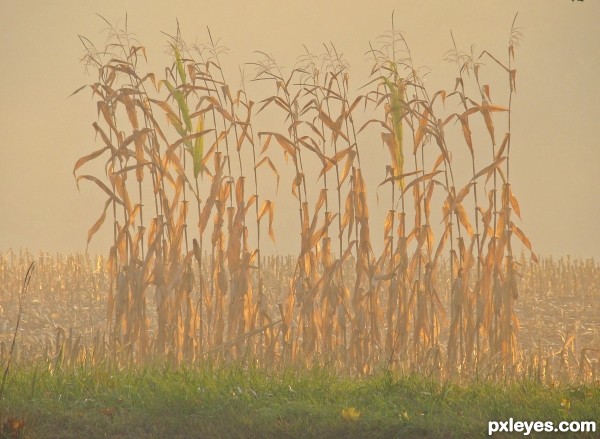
(198, 148)
(179, 64)
(181, 102)
(99, 222)
(397, 105)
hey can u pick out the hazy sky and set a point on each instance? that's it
(555, 163)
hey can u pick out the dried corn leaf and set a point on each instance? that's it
(286, 144)
(463, 193)
(438, 161)
(88, 157)
(513, 80)
(103, 107)
(490, 169)
(397, 177)
(269, 163)
(130, 109)
(464, 218)
(321, 200)
(515, 204)
(389, 223)
(503, 146)
(418, 180)
(101, 185)
(333, 161)
(347, 167)
(186, 139)
(521, 236)
(239, 190)
(442, 243)
(420, 134)
(268, 206)
(464, 121)
(335, 127)
(105, 138)
(99, 222)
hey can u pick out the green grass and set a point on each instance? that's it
(238, 403)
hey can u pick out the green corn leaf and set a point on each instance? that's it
(176, 123)
(180, 66)
(397, 109)
(181, 102)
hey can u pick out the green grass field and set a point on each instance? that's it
(238, 403)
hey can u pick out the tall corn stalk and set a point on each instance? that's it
(186, 142)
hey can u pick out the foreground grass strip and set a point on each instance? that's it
(237, 403)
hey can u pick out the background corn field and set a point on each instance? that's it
(64, 323)
(188, 175)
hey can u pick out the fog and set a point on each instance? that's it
(555, 153)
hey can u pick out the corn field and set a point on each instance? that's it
(188, 170)
(64, 323)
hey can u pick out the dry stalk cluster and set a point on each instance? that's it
(183, 176)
